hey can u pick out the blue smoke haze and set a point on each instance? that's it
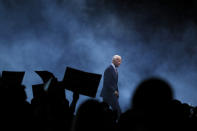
(50, 35)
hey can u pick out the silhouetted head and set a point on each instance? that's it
(151, 93)
(116, 60)
(89, 108)
(89, 116)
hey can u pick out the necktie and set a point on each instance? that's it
(116, 70)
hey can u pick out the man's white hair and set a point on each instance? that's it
(116, 57)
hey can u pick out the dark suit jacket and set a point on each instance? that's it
(110, 85)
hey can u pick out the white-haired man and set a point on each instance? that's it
(110, 91)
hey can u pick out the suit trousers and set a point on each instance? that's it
(114, 105)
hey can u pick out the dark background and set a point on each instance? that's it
(154, 38)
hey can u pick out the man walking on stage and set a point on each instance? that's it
(110, 91)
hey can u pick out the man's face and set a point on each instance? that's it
(117, 62)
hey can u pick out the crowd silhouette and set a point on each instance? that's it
(153, 107)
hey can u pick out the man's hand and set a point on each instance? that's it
(116, 93)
